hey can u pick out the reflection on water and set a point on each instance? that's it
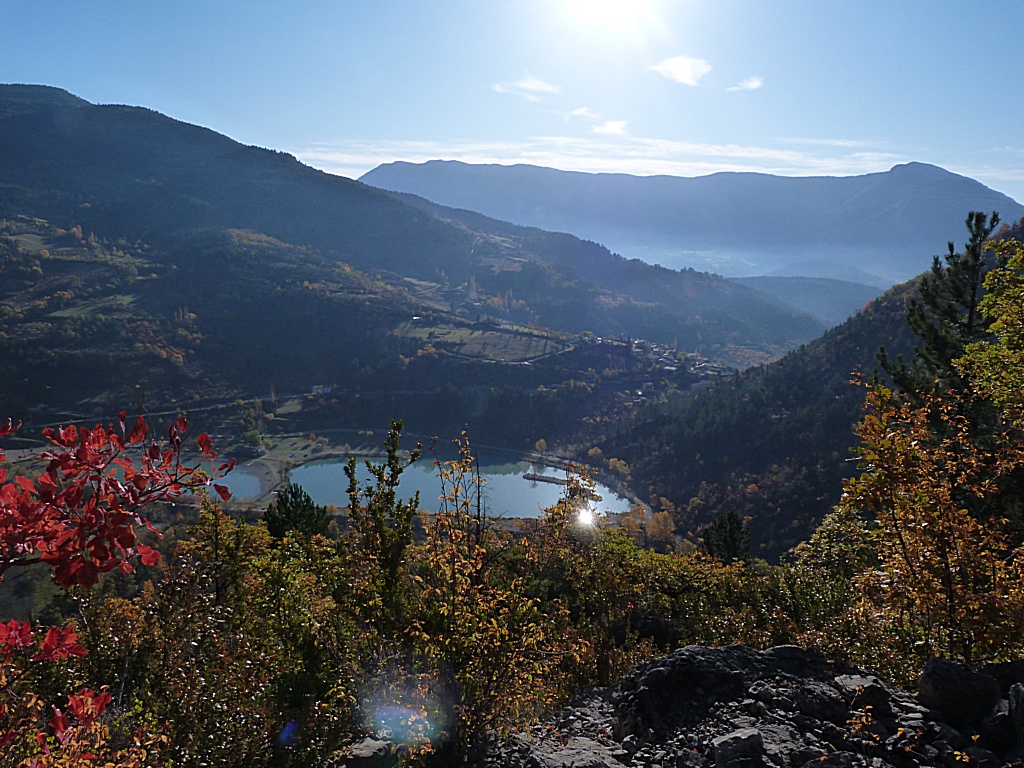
(506, 493)
(242, 484)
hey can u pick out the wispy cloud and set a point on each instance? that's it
(749, 84)
(685, 70)
(586, 112)
(611, 128)
(528, 87)
(612, 153)
(846, 143)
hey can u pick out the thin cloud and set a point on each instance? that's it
(528, 87)
(611, 128)
(749, 84)
(685, 70)
(846, 143)
(608, 154)
(586, 112)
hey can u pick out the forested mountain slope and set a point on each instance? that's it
(133, 175)
(772, 443)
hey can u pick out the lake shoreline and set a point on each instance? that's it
(274, 468)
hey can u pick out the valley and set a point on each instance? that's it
(621, 458)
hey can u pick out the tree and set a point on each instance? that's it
(727, 538)
(294, 510)
(382, 531)
(492, 654)
(79, 518)
(947, 317)
(998, 366)
(661, 531)
(943, 576)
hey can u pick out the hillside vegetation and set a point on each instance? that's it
(124, 174)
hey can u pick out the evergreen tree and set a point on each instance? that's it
(946, 316)
(294, 510)
(727, 539)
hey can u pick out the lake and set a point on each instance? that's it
(506, 492)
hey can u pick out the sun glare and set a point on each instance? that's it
(608, 13)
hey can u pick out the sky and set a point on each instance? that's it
(681, 87)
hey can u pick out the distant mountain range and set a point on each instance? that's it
(877, 229)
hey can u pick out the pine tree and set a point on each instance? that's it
(946, 316)
(294, 510)
(727, 539)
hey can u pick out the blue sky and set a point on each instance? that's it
(684, 87)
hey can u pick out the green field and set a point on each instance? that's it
(511, 344)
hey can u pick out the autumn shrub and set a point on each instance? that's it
(79, 517)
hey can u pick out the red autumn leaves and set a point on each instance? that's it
(80, 516)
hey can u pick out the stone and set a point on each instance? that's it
(1006, 673)
(867, 691)
(1017, 711)
(371, 753)
(738, 749)
(963, 696)
(576, 752)
(741, 708)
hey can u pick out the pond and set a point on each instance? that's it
(506, 492)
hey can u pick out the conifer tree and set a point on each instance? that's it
(728, 538)
(294, 510)
(946, 316)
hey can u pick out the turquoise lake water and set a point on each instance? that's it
(506, 493)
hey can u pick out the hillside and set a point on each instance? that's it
(772, 443)
(147, 261)
(830, 301)
(885, 225)
(130, 173)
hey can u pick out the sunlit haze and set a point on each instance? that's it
(680, 87)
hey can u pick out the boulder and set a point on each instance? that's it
(738, 749)
(963, 696)
(1016, 711)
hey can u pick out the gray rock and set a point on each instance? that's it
(575, 753)
(867, 691)
(779, 709)
(1017, 710)
(963, 696)
(1006, 674)
(370, 753)
(983, 758)
(738, 749)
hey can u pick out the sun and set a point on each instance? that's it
(608, 13)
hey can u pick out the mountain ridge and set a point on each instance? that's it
(734, 223)
(118, 221)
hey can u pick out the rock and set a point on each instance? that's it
(738, 749)
(1006, 674)
(370, 753)
(578, 753)
(867, 691)
(1017, 710)
(784, 707)
(997, 729)
(963, 696)
(983, 758)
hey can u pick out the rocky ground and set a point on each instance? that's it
(735, 707)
